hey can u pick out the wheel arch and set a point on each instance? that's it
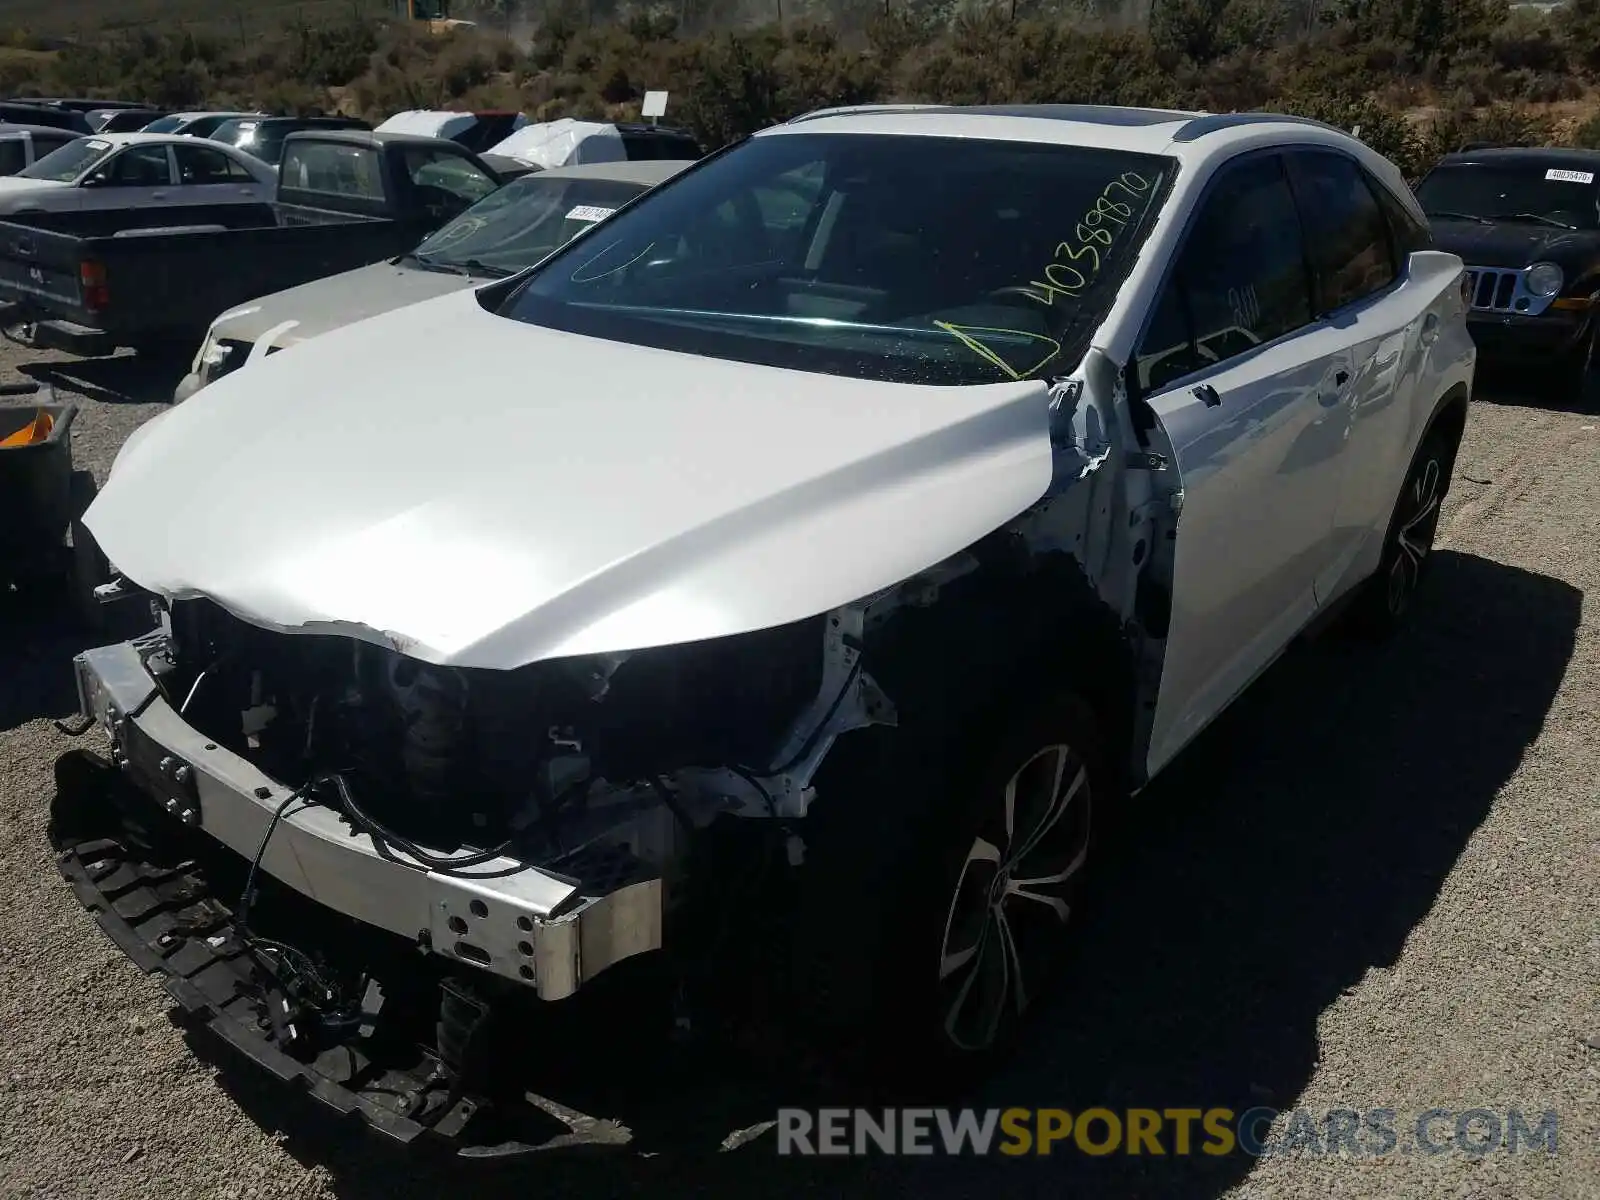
(1449, 418)
(1014, 631)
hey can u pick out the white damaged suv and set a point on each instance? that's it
(832, 534)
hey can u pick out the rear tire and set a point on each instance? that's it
(1386, 598)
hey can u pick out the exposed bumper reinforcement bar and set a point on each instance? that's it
(546, 930)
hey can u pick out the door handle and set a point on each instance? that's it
(1207, 395)
(158, 195)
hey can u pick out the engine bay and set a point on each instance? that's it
(534, 763)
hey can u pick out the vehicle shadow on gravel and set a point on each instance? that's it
(39, 635)
(1524, 387)
(1286, 855)
(119, 379)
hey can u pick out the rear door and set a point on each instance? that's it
(1242, 378)
(138, 176)
(1361, 238)
(207, 176)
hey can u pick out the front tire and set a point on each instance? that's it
(1577, 381)
(1014, 892)
(89, 566)
(941, 889)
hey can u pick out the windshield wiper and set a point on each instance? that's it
(477, 266)
(432, 264)
(1457, 216)
(465, 266)
(1540, 217)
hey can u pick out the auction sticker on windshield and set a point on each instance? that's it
(588, 212)
(1569, 176)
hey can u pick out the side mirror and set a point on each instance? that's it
(98, 179)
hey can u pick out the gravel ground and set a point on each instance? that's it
(1374, 884)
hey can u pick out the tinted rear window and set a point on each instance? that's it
(334, 169)
(640, 147)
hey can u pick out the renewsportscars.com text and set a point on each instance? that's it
(1258, 1132)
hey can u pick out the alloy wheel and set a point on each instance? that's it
(1414, 537)
(1011, 900)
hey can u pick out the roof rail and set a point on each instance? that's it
(1200, 126)
(861, 108)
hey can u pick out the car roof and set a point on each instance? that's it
(1518, 156)
(370, 137)
(647, 171)
(84, 103)
(140, 138)
(196, 114)
(134, 137)
(639, 127)
(1188, 136)
(13, 128)
(254, 119)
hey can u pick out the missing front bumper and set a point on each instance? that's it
(548, 931)
(409, 1061)
(163, 917)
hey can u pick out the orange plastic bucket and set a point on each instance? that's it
(35, 431)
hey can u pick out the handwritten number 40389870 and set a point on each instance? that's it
(1096, 231)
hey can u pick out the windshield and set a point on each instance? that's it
(916, 259)
(1536, 195)
(166, 124)
(69, 162)
(514, 227)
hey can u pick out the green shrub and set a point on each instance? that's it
(1587, 134)
(1363, 63)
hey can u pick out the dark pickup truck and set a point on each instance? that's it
(154, 278)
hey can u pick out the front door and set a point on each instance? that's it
(1248, 387)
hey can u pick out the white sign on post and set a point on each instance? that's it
(655, 105)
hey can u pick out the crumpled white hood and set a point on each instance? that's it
(476, 491)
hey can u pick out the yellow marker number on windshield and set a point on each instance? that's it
(1081, 264)
(967, 335)
(1097, 229)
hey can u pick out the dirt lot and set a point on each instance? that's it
(1375, 884)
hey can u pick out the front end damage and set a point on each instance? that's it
(345, 860)
(396, 882)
